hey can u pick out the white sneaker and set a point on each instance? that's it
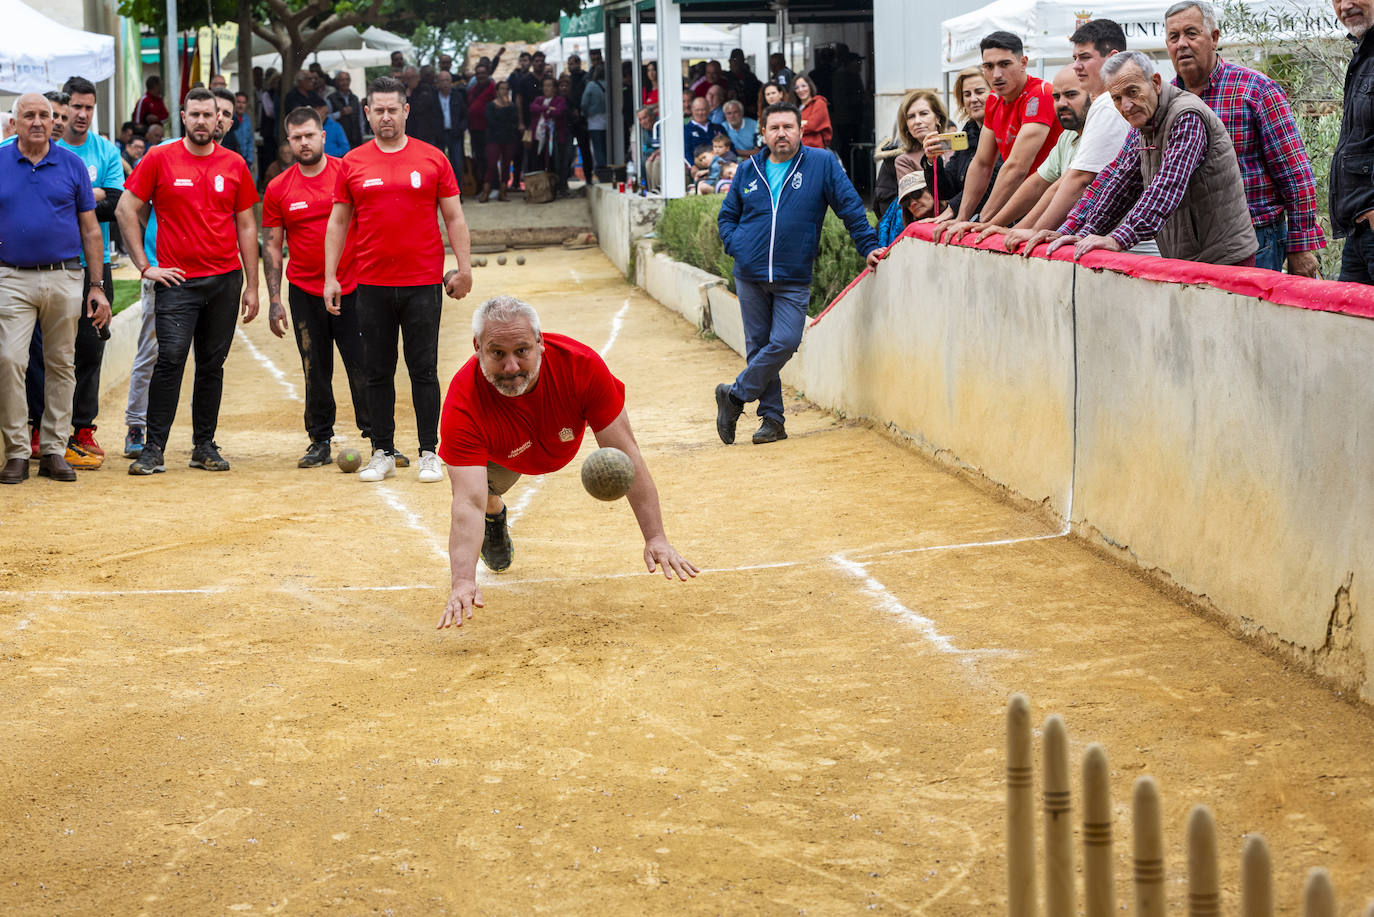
(381, 467)
(431, 469)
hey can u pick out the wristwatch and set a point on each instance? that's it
(98, 283)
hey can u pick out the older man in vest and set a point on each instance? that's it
(1176, 179)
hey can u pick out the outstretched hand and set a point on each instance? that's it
(462, 600)
(658, 553)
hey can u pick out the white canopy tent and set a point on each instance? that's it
(698, 42)
(347, 39)
(1045, 26)
(38, 54)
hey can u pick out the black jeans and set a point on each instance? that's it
(1357, 258)
(317, 333)
(479, 155)
(90, 352)
(384, 313)
(199, 314)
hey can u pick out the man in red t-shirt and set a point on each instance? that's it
(1019, 125)
(295, 209)
(207, 245)
(388, 190)
(521, 406)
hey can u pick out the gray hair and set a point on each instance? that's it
(503, 309)
(1117, 62)
(1209, 12)
(14, 109)
(732, 105)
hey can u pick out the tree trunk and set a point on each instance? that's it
(246, 62)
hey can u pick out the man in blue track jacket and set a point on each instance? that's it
(770, 224)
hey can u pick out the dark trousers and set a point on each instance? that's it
(1357, 258)
(412, 314)
(479, 154)
(500, 157)
(199, 314)
(453, 147)
(774, 317)
(318, 332)
(90, 353)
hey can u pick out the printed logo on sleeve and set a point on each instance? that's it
(219, 183)
(298, 205)
(414, 179)
(1032, 106)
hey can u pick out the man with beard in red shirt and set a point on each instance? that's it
(207, 247)
(521, 406)
(295, 211)
(388, 190)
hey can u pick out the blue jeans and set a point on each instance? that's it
(1273, 245)
(774, 317)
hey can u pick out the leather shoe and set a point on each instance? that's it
(55, 467)
(15, 470)
(770, 431)
(727, 413)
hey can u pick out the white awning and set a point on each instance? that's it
(38, 54)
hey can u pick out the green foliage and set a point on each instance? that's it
(430, 40)
(125, 293)
(687, 232)
(191, 14)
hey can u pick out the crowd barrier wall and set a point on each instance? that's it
(620, 220)
(1213, 426)
(120, 351)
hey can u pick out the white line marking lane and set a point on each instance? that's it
(268, 365)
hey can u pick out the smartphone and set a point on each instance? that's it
(953, 141)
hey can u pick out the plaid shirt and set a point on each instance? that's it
(1278, 175)
(1120, 185)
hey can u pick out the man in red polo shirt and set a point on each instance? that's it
(295, 210)
(388, 189)
(1019, 124)
(521, 406)
(207, 245)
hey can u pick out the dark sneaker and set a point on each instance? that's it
(770, 431)
(133, 442)
(206, 456)
(316, 455)
(149, 461)
(727, 413)
(497, 550)
(401, 460)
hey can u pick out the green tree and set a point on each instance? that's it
(430, 41)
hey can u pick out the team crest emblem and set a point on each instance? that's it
(796, 182)
(219, 182)
(414, 179)
(566, 434)
(1032, 106)
(1081, 18)
(91, 170)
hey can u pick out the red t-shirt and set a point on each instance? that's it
(196, 198)
(1035, 105)
(539, 431)
(394, 196)
(302, 205)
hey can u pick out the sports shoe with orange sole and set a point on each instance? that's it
(80, 459)
(85, 438)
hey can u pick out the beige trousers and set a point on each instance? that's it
(52, 300)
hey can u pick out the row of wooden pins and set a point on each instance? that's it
(1099, 893)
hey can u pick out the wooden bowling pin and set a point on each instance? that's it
(1318, 897)
(1204, 892)
(1256, 879)
(1099, 892)
(1059, 871)
(1148, 844)
(1020, 811)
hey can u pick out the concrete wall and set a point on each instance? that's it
(1221, 442)
(621, 220)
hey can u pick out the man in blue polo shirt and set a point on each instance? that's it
(47, 220)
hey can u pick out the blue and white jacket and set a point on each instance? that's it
(779, 245)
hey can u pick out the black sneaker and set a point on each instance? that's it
(206, 456)
(497, 550)
(727, 413)
(770, 431)
(133, 442)
(401, 460)
(149, 461)
(316, 455)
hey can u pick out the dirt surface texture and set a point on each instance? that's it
(225, 693)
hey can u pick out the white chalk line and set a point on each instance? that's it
(887, 602)
(616, 322)
(268, 365)
(968, 544)
(393, 500)
(203, 590)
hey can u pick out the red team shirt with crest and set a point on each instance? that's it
(302, 205)
(539, 431)
(1035, 105)
(196, 198)
(394, 196)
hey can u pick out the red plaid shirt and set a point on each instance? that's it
(1278, 175)
(1119, 187)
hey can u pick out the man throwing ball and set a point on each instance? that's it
(521, 406)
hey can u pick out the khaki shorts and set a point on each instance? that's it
(500, 480)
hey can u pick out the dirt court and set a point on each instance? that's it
(224, 693)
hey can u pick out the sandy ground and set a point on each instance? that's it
(224, 693)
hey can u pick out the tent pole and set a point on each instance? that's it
(172, 91)
(669, 16)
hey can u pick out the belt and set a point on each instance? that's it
(71, 264)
